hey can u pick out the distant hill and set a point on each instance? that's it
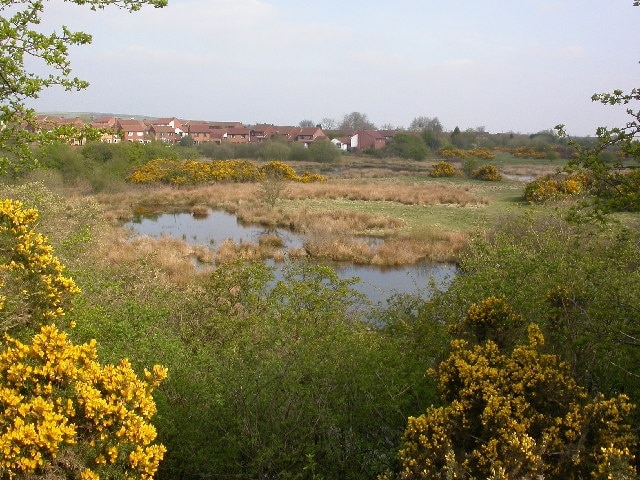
(89, 116)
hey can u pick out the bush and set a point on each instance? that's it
(549, 187)
(444, 169)
(324, 151)
(63, 415)
(516, 414)
(487, 172)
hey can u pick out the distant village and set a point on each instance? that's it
(173, 130)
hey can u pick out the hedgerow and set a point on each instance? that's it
(176, 172)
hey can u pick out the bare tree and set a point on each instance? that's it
(328, 124)
(356, 121)
(420, 124)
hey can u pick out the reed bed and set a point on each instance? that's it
(231, 196)
(402, 250)
(332, 233)
(406, 193)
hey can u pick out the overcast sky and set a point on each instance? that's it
(521, 66)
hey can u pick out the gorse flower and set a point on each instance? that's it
(177, 172)
(27, 261)
(57, 400)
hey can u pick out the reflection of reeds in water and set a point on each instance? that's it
(200, 211)
(391, 252)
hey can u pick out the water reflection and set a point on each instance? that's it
(208, 230)
(377, 283)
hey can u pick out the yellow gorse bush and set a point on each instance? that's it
(33, 286)
(57, 397)
(482, 153)
(60, 410)
(488, 173)
(176, 172)
(515, 414)
(444, 169)
(548, 187)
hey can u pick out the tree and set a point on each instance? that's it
(421, 124)
(515, 413)
(324, 151)
(407, 145)
(21, 43)
(306, 123)
(328, 123)
(356, 121)
(614, 189)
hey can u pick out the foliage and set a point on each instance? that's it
(553, 187)
(276, 151)
(34, 288)
(324, 151)
(63, 413)
(356, 121)
(407, 145)
(444, 169)
(426, 124)
(578, 283)
(278, 170)
(24, 44)
(481, 153)
(192, 172)
(524, 151)
(516, 414)
(487, 172)
(287, 378)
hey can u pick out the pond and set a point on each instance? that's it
(377, 283)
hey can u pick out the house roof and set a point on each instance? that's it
(238, 131)
(132, 125)
(162, 129)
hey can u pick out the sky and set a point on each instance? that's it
(508, 66)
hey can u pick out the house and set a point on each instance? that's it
(343, 143)
(225, 125)
(108, 127)
(132, 131)
(262, 132)
(47, 123)
(307, 135)
(366, 139)
(237, 135)
(164, 133)
(200, 132)
(174, 123)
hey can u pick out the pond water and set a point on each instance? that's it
(377, 283)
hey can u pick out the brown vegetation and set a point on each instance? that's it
(333, 231)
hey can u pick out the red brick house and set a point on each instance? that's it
(164, 133)
(237, 135)
(133, 131)
(366, 139)
(200, 132)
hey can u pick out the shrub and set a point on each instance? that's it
(487, 172)
(63, 414)
(444, 169)
(278, 170)
(516, 414)
(33, 287)
(548, 187)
